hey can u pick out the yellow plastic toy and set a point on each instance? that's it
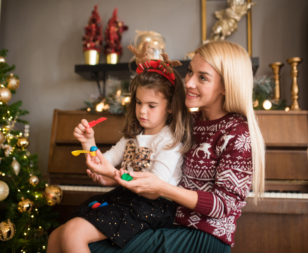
(92, 151)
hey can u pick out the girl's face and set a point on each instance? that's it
(151, 110)
(204, 87)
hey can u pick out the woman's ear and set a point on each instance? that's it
(223, 91)
(169, 111)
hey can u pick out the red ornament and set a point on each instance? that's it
(93, 38)
(113, 34)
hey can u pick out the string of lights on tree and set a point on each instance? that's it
(25, 199)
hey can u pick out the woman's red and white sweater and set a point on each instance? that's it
(219, 168)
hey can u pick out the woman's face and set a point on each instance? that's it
(204, 87)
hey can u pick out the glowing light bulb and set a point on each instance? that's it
(194, 109)
(267, 105)
(287, 109)
(99, 107)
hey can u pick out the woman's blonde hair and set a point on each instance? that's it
(233, 64)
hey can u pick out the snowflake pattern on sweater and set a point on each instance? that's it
(219, 168)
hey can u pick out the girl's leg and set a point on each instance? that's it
(77, 233)
(54, 241)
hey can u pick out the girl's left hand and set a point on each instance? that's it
(100, 165)
(145, 184)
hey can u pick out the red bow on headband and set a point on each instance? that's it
(163, 67)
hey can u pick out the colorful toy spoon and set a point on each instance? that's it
(92, 151)
(94, 122)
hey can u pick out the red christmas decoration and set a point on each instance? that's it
(93, 38)
(113, 34)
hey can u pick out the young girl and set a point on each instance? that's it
(156, 134)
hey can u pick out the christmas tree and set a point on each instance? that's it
(93, 38)
(113, 34)
(25, 205)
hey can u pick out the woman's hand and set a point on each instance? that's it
(84, 133)
(100, 165)
(145, 184)
(102, 180)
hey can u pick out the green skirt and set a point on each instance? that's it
(165, 240)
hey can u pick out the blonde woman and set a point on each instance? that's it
(225, 161)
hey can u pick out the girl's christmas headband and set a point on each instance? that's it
(163, 67)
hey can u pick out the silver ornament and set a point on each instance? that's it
(4, 190)
(16, 166)
(33, 180)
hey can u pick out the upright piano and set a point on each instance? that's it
(279, 223)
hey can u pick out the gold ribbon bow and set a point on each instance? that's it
(137, 159)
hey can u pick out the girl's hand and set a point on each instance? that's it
(145, 184)
(100, 165)
(83, 132)
(103, 181)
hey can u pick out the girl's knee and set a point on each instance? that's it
(72, 228)
(55, 235)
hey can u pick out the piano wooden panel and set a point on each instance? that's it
(286, 164)
(273, 233)
(107, 132)
(284, 129)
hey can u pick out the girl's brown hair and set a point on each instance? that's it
(179, 120)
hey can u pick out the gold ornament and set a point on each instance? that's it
(13, 82)
(4, 190)
(33, 180)
(112, 58)
(294, 88)
(276, 67)
(5, 95)
(7, 230)
(2, 59)
(91, 57)
(16, 166)
(6, 129)
(156, 43)
(53, 194)
(2, 138)
(25, 205)
(22, 142)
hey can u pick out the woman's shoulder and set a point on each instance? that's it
(236, 123)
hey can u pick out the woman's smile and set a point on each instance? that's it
(191, 95)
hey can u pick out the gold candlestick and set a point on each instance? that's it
(294, 61)
(276, 66)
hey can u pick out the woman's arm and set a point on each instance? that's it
(150, 186)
